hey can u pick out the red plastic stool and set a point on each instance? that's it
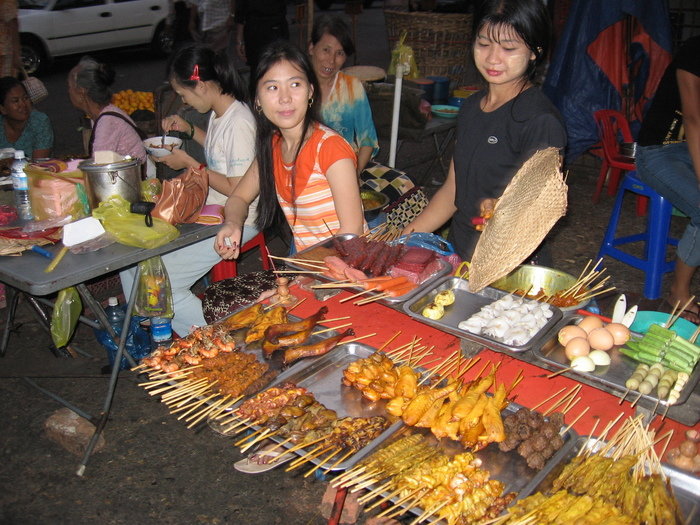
(227, 269)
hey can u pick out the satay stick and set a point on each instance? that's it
(295, 305)
(346, 283)
(372, 299)
(278, 272)
(185, 394)
(571, 404)
(347, 475)
(314, 453)
(309, 262)
(682, 309)
(211, 408)
(191, 408)
(338, 461)
(363, 485)
(368, 290)
(333, 452)
(374, 492)
(563, 432)
(430, 512)
(223, 413)
(400, 501)
(635, 401)
(301, 445)
(360, 338)
(564, 399)
(137, 367)
(169, 387)
(400, 350)
(261, 437)
(247, 437)
(555, 374)
(388, 342)
(335, 319)
(332, 328)
(155, 382)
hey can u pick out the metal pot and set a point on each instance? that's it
(116, 178)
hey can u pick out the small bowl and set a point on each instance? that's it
(373, 202)
(646, 318)
(456, 101)
(154, 146)
(540, 278)
(444, 111)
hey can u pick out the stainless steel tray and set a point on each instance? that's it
(445, 268)
(466, 304)
(685, 486)
(323, 378)
(510, 468)
(611, 377)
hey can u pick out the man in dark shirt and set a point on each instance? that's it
(668, 159)
(257, 24)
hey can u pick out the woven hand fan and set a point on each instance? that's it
(529, 207)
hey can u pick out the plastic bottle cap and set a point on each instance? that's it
(112, 301)
(19, 154)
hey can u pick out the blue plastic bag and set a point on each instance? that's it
(138, 343)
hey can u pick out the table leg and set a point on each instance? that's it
(115, 371)
(65, 403)
(338, 505)
(12, 300)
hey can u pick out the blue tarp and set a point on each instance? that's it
(593, 65)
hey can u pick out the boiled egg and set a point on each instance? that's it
(620, 333)
(599, 358)
(590, 323)
(601, 339)
(567, 333)
(577, 347)
(583, 364)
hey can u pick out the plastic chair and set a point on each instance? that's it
(655, 237)
(611, 125)
(227, 269)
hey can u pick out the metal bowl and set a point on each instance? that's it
(373, 202)
(541, 278)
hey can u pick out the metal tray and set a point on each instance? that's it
(685, 486)
(445, 268)
(323, 377)
(466, 304)
(611, 377)
(508, 467)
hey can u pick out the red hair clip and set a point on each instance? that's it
(195, 73)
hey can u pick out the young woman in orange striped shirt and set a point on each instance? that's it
(302, 168)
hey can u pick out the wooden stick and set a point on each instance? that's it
(267, 433)
(194, 406)
(682, 309)
(372, 299)
(332, 328)
(322, 461)
(336, 319)
(374, 492)
(368, 290)
(295, 305)
(550, 376)
(223, 413)
(312, 454)
(571, 404)
(635, 401)
(301, 445)
(339, 461)
(297, 271)
(246, 438)
(360, 338)
(563, 432)
(395, 336)
(538, 405)
(310, 262)
(211, 408)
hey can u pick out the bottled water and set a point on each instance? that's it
(161, 332)
(115, 314)
(20, 184)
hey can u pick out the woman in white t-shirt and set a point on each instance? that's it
(207, 81)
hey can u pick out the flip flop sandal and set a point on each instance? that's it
(251, 467)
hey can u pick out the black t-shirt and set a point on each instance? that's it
(664, 121)
(489, 150)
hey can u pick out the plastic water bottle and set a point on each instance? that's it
(115, 314)
(20, 184)
(161, 332)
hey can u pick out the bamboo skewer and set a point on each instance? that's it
(246, 438)
(538, 405)
(563, 432)
(373, 493)
(211, 408)
(360, 338)
(333, 452)
(339, 461)
(261, 437)
(332, 328)
(388, 342)
(368, 290)
(312, 454)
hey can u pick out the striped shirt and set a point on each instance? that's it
(310, 206)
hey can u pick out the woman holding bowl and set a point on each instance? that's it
(207, 82)
(301, 166)
(344, 104)
(500, 127)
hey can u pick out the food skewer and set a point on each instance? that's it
(331, 328)
(333, 452)
(247, 437)
(312, 454)
(191, 408)
(264, 435)
(208, 410)
(563, 432)
(368, 290)
(388, 342)
(339, 461)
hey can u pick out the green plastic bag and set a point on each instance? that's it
(130, 228)
(154, 297)
(403, 54)
(64, 318)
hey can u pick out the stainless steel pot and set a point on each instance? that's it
(117, 178)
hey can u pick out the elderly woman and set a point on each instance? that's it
(21, 126)
(344, 104)
(112, 129)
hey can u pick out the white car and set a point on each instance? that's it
(51, 28)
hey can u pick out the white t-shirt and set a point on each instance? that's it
(229, 147)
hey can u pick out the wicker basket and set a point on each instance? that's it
(440, 41)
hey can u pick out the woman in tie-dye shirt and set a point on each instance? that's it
(344, 104)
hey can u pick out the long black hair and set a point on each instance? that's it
(528, 18)
(334, 26)
(269, 210)
(196, 62)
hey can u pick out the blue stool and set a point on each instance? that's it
(656, 238)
